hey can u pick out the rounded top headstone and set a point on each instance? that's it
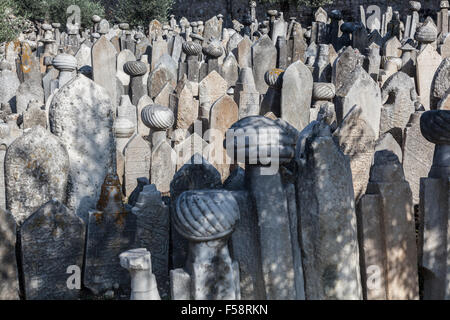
(262, 141)
(435, 126)
(206, 215)
(65, 62)
(135, 68)
(157, 117)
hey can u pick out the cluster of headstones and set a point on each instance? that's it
(91, 118)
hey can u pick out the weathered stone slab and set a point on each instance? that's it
(357, 140)
(111, 230)
(428, 61)
(264, 58)
(84, 104)
(296, 95)
(327, 213)
(210, 89)
(36, 171)
(417, 155)
(104, 66)
(137, 162)
(52, 247)
(123, 57)
(9, 281)
(360, 89)
(153, 233)
(163, 166)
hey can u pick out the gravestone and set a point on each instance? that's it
(296, 94)
(137, 162)
(104, 66)
(264, 58)
(81, 115)
(361, 90)
(36, 171)
(245, 94)
(357, 141)
(153, 233)
(327, 212)
(9, 281)
(123, 57)
(440, 84)
(428, 61)
(52, 242)
(111, 230)
(210, 89)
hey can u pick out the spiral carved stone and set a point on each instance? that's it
(214, 49)
(157, 117)
(192, 48)
(261, 141)
(65, 62)
(274, 78)
(205, 215)
(323, 91)
(135, 68)
(427, 33)
(435, 126)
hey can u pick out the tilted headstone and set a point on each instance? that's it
(52, 246)
(36, 171)
(327, 213)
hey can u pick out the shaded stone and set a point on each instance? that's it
(394, 220)
(343, 66)
(29, 90)
(163, 166)
(153, 233)
(52, 245)
(357, 141)
(440, 84)
(198, 174)
(9, 282)
(245, 94)
(229, 70)
(113, 229)
(210, 89)
(327, 213)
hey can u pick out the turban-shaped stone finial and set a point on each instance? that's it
(157, 117)
(214, 48)
(427, 33)
(274, 78)
(323, 91)
(435, 126)
(192, 48)
(135, 68)
(65, 62)
(260, 140)
(205, 215)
